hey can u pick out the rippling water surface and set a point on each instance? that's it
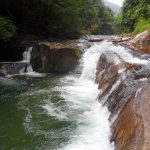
(58, 112)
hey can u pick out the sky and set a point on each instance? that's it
(118, 2)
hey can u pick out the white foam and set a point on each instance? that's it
(93, 127)
(121, 51)
(82, 107)
(35, 74)
(92, 130)
(55, 112)
(27, 55)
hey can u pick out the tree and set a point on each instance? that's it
(7, 29)
(133, 10)
(62, 18)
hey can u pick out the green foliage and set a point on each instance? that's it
(78, 53)
(132, 10)
(108, 22)
(117, 24)
(58, 17)
(142, 25)
(7, 29)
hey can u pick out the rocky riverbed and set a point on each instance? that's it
(121, 68)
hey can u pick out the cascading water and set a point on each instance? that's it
(26, 59)
(28, 70)
(27, 55)
(92, 130)
(58, 112)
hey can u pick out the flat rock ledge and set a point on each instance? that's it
(55, 57)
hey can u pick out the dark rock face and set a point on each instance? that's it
(55, 57)
(11, 53)
(46, 57)
(129, 100)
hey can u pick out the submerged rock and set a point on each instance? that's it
(55, 57)
(142, 41)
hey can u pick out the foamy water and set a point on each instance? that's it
(63, 112)
(92, 130)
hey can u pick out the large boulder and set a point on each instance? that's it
(142, 41)
(55, 57)
(125, 90)
(109, 72)
(131, 130)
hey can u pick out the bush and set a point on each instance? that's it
(7, 29)
(142, 25)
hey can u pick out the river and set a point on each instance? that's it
(54, 112)
(58, 112)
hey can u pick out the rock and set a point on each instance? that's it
(114, 39)
(126, 93)
(108, 72)
(11, 68)
(142, 41)
(131, 130)
(55, 57)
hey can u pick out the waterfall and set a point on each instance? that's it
(27, 55)
(28, 70)
(68, 111)
(92, 131)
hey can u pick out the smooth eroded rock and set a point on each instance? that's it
(131, 130)
(142, 41)
(55, 57)
(125, 90)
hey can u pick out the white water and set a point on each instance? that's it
(27, 55)
(29, 69)
(93, 128)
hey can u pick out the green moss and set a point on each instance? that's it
(78, 53)
(142, 25)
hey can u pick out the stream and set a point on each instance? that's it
(58, 112)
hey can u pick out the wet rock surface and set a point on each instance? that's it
(109, 38)
(126, 92)
(131, 130)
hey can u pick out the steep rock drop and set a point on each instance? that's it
(123, 76)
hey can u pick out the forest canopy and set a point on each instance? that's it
(57, 17)
(135, 16)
